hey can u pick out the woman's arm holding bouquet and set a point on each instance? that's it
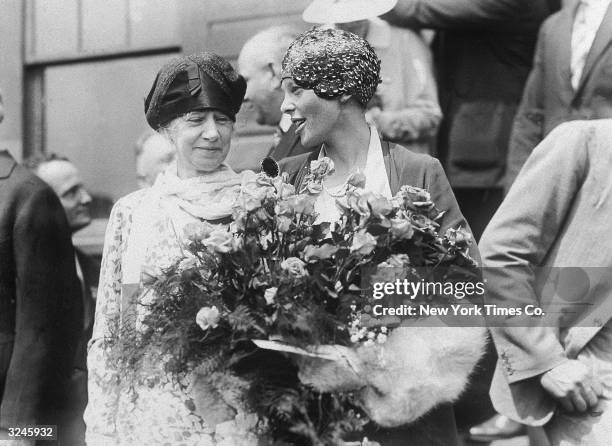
(415, 370)
(426, 366)
(419, 366)
(443, 197)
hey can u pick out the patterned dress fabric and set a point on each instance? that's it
(158, 408)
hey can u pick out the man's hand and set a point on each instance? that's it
(573, 385)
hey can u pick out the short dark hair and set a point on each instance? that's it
(34, 161)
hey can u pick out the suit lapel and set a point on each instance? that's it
(390, 167)
(563, 56)
(284, 146)
(603, 38)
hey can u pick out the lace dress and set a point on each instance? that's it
(158, 409)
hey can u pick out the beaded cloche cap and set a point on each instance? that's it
(195, 82)
(333, 62)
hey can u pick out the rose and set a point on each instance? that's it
(415, 198)
(356, 201)
(251, 202)
(359, 203)
(221, 241)
(397, 260)
(312, 187)
(363, 243)
(285, 190)
(283, 224)
(458, 237)
(188, 263)
(300, 204)
(282, 207)
(262, 216)
(414, 194)
(322, 252)
(356, 179)
(254, 194)
(321, 168)
(401, 229)
(270, 295)
(294, 266)
(395, 267)
(381, 207)
(263, 180)
(197, 231)
(208, 317)
(423, 223)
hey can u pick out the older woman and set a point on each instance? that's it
(329, 76)
(193, 103)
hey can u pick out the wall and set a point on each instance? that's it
(11, 73)
(90, 63)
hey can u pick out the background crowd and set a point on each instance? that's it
(478, 84)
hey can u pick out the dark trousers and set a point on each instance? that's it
(474, 406)
(72, 424)
(6, 350)
(478, 206)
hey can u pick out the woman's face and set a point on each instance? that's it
(202, 140)
(314, 117)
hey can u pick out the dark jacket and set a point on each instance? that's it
(90, 268)
(288, 145)
(404, 167)
(483, 54)
(549, 98)
(40, 305)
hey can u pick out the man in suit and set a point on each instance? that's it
(40, 314)
(65, 180)
(571, 78)
(259, 63)
(483, 53)
(548, 245)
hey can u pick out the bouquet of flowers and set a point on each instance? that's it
(254, 301)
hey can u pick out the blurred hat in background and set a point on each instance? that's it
(343, 11)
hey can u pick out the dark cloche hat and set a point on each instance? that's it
(194, 82)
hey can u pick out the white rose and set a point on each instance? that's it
(208, 317)
(294, 266)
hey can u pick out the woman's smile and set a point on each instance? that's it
(299, 123)
(208, 149)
